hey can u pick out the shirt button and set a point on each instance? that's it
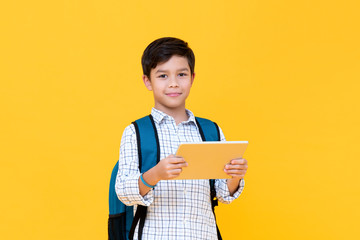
(185, 191)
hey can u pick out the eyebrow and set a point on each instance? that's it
(182, 69)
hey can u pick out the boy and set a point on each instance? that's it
(177, 209)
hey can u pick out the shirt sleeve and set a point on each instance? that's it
(222, 190)
(127, 185)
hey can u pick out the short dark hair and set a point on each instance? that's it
(162, 49)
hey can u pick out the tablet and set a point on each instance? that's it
(206, 160)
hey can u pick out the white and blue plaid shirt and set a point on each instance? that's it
(177, 209)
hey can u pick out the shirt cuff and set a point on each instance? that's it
(128, 191)
(240, 189)
(223, 193)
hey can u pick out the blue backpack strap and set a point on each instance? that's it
(120, 215)
(149, 156)
(209, 131)
(148, 143)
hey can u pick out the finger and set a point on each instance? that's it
(233, 171)
(238, 161)
(173, 176)
(175, 172)
(231, 166)
(178, 165)
(181, 165)
(175, 160)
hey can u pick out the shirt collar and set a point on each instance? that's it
(159, 116)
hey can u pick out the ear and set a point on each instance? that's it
(192, 78)
(147, 82)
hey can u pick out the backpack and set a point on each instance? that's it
(122, 222)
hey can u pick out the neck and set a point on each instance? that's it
(179, 114)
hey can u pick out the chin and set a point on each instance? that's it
(173, 106)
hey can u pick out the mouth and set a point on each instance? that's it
(173, 94)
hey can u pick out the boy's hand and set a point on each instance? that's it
(170, 167)
(236, 168)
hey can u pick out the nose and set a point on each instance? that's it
(173, 82)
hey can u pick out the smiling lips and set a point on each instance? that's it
(172, 94)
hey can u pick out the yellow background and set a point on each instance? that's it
(283, 75)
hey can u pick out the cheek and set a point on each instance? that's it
(187, 85)
(185, 82)
(158, 84)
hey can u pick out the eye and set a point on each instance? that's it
(182, 74)
(162, 76)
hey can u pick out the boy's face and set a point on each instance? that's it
(170, 82)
